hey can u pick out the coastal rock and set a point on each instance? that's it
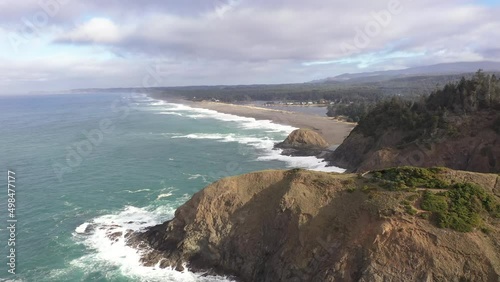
(475, 147)
(303, 142)
(301, 225)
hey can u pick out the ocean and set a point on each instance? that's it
(114, 162)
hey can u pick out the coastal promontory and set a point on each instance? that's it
(406, 224)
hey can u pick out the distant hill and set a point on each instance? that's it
(439, 69)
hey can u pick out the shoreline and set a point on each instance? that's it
(332, 130)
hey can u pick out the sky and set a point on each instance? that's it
(52, 45)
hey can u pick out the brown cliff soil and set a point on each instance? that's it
(471, 143)
(311, 226)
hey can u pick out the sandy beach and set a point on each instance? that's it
(332, 130)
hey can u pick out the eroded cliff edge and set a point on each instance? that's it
(311, 226)
(457, 126)
(471, 145)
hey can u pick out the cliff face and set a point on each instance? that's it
(311, 226)
(473, 146)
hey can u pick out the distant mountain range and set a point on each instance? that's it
(439, 69)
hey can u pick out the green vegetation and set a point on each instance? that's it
(353, 99)
(410, 210)
(351, 189)
(353, 111)
(434, 203)
(411, 177)
(460, 208)
(375, 104)
(429, 117)
(337, 93)
(368, 189)
(412, 198)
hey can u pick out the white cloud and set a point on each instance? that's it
(260, 41)
(96, 30)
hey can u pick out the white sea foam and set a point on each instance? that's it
(242, 122)
(197, 176)
(137, 191)
(264, 144)
(257, 142)
(82, 228)
(167, 108)
(311, 163)
(213, 136)
(166, 195)
(108, 241)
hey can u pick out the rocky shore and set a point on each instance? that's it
(302, 225)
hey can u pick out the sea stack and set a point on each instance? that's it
(303, 142)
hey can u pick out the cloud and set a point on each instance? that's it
(96, 30)
(295, 31)
(260, 41)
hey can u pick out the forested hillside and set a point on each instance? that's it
(457, 126)
(435, 114)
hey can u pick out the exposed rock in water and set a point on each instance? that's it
(301, 225)
(303, 142)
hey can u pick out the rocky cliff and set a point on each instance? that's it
(473, 145)
(457, 126)
(311, 226)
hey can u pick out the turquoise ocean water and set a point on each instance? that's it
(114, 162)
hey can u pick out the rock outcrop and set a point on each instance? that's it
(474, 147)
(303, 142)
(301, 225)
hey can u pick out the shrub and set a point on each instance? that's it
(367, 189)
(404, 177)
(460, 207)
(434, 203)
(412, 198)
(424, 215)
(410, 210)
